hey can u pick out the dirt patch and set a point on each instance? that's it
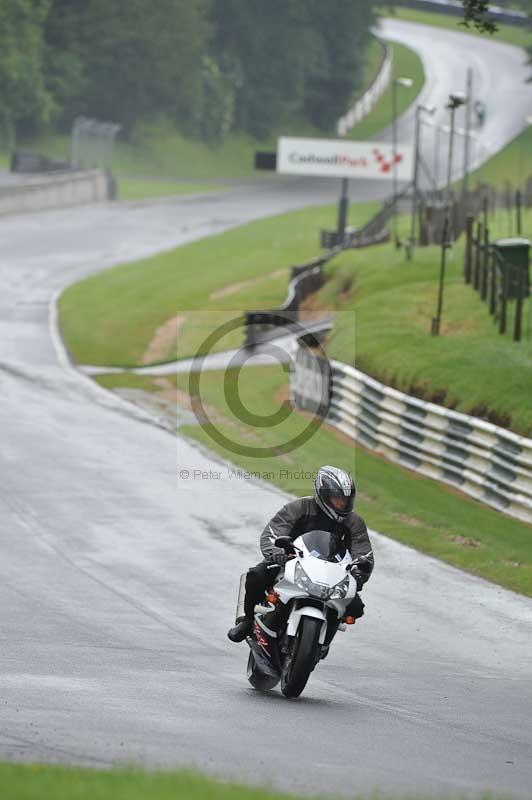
(465, 541)
(314, 307)
(163, 340)
(282, 395)
(168, 392)
(234, 288)
(513, 564)
(414, 522)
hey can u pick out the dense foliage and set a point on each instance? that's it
(210, 66)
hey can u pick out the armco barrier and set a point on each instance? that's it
(491, 464)
(305, 279)
(57, 191)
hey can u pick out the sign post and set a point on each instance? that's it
(339, 158)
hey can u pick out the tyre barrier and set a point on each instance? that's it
(489, 463)
(485, 461)
(368, 100)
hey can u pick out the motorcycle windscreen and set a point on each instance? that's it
(324, 545)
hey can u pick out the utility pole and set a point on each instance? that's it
(342, 211)
(455, 101)
(467, 140)
(417, 158)
(395, 83)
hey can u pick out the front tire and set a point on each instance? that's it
(257, 678)
(303, 657)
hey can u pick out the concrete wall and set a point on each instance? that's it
(61, 190)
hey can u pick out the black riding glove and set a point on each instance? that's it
(279, 558)
(357, 575)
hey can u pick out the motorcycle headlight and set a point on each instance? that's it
(302, 581)
(341, 589)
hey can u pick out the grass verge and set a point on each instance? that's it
(112, 317)
(145, 189)
(414, 510)
(41, 782)
(511, 165)
(512, 34)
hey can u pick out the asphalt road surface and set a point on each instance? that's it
(118, 577)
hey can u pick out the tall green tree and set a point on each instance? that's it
(25, 102)
(291, 57)
(136, 59)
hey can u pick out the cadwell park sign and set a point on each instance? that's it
(336, 158)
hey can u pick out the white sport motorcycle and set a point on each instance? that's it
(292, 631)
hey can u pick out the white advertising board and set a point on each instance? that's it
(340, 159)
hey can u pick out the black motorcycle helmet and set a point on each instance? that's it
(334, 492)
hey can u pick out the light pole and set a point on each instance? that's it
(467, 144)
(407, 82)
(455, 101)
(420, 109)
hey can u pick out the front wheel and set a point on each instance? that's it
(303, 657)
(257, 678)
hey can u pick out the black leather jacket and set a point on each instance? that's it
(303, 515)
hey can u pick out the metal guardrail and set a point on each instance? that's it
(306, 278)
(487, 462)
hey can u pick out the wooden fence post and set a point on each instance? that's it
(477, 255)
(468, 249)
(519, 305)
(504, 297)
(485, 257)
(493, 288)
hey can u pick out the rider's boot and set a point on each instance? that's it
(241, 630)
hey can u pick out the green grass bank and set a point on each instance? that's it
(42, 782)
(112, 317)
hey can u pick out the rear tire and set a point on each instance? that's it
(257, 678)
(303, 658)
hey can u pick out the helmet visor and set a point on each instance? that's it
(340, 502)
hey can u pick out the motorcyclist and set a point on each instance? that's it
(330, 509)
